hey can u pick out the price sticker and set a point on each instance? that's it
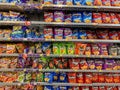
(110, 56)
(95, 7)
(24, 70)
(57, 70)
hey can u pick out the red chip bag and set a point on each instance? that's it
(95, 77)
(102, 88)
(97, 18)
(111, 88)
(84, 88)
(83, 64)
(97, 2)
(91, 34)
(71, 77)
(74, 63)
(114, 2)
(88, 50)
(101, 78)
(114, 19)
(102, 34)
(113, 35)
(106, 18)
(116, 78)
(48, 16)
(88, 78)
(106, 3)
(108, 78)
(94, 87)
(75, 88)
(118, 16)
(80, 78)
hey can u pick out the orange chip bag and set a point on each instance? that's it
(48, 16)
(108, 78)
(106, 18)
(97, 2)
(101, 78)
(114, 19)
(95, 77)
(106, 3)
(88, 78)
(80, 78)
(116, 78)
(71, 77)
(95, 49)
(10, 48)
(83, 64)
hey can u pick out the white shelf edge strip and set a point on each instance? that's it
(59, 40)
(62, 84)
(66, 56)
(56, 70)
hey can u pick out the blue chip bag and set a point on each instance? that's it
(56, 88)
(62, 77)
(1, 16)
(75, 33)
(55, 77)
(77, 2)
(48, 88)
(87, 17)
(82, 34)
(87, 2)
(77, 17)
(48, 77)
(46, 48)
(28, 33)
(63, 88)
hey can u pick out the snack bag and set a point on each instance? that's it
(114, 19)
(48, 16)
(6, 16)
(55, 87)
(95, 49)
(84, 88)
(82, 34)
(110, 65)
(91, 64)
(55, 76)
(74, 63)
(48, 87)
(62, 48)
(113, 35)
(77, 17)
(48, 33)
(102, 88)
(83, 64)
(106, 18)
(101, 78)
(116, 78)
(69, 2)
(63, 77)
(70, 48)
(80, 48)
(102, 34)
(38, 48)
(10, 49)
(48, 2)
(58, 33)
(88, 50)
(68, 17)
(58, 63)
(91, 34)
(106, 3)
(58, 16)
(87, 2)
(46, 48)
(88, 78)
(95, 77)
(95, 88)
(59, 2)
(14, 16)
(80, 78)
(87, 17)
(63, 88)
(48, 77)
(98, 2)
(108, 78)
(67, 33)
(118, 64)
(113, 50)
(118, 16)
(71, 77)
(39, 87)
(65, 63)
(6, 33)
(103, 49)
(75, 33)
(99, 64)
(56, 49)
(21, 77)
(115, 3)
(77, 2)
(39, 77)
(28, 77)
(97, 18)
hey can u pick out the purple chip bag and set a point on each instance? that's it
(58, 16)
(91, 64)
(58, 33)
(99, 64)
(67, 33)
(103, 49)
(68, 18)
(59, 2)
(118, 64)
(109, 64)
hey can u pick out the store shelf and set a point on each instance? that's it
(12, 23)
(55, 70)
(10, 6)
(81, 8)
(57, 40)
(61, 84)
(65, 56)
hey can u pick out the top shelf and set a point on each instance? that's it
(81, 8)
(22, 7)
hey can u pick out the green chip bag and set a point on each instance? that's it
(21, 77)
(70, 48)
(56, 48)
(62, 48)
(39, 77)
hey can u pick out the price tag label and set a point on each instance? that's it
(95, 7)
(13, 4)
(110, 56)
(24, 70)
(57, 70)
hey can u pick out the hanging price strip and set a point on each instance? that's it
(27, 23)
